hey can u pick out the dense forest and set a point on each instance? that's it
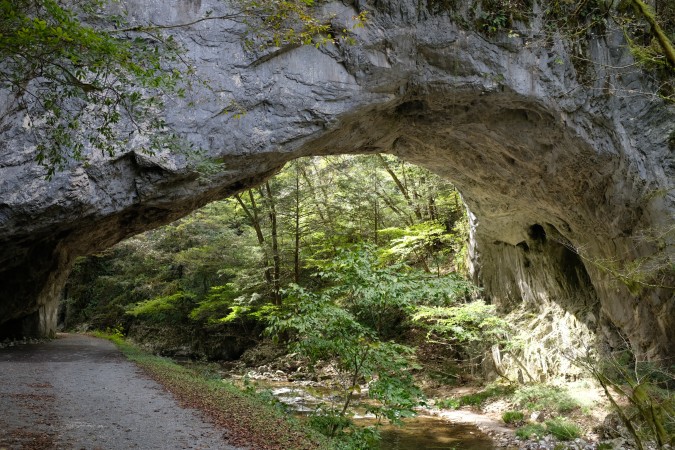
(384, 241)
(239, 256)
(357, 268)
(351, 259)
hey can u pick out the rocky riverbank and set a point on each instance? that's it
(282, 374)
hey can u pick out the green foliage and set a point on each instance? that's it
(541, 397)
(293, 22)
(115, 335)
(468, 322)
(225, 258)
(448, 403)
(660, 40)
(323, 331)
(348, 435)
(480, 397)
(380, 295)
(531, 430)
(563, 429)
(358, 438)
(217, 304)
(575, 17)
(191, 257)
(512, 417)
(491, 16)
(470, 329)
(85, 85)
(169, 308)
(421, 244)
(420, 238)
(355, 199)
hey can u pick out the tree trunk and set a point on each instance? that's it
(401, 187)
(275, 244)
(253, 217)
(296, 250)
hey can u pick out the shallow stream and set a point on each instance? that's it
(420, 433)
(429, 432)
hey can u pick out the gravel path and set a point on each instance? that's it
(79, 392)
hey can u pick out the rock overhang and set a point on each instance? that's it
(511, 125)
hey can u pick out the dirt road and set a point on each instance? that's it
(79, 392)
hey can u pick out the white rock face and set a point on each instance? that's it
(563, 176)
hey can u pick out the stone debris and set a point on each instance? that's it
(24, 341)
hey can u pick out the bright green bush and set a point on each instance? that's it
(448, 403)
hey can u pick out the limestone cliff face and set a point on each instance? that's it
(563, 176)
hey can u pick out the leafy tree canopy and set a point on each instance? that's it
(81, 82)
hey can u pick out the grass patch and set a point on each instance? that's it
(448, 403)
(512, 416)
(531, 430)
(252, 421)
(539, 397)
(563, 429)
(476, 399)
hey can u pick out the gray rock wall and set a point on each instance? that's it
(562, 176)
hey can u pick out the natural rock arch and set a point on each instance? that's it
(545, 164)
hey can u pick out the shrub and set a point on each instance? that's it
(512, 416)
(323, 331)
(563, 429)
